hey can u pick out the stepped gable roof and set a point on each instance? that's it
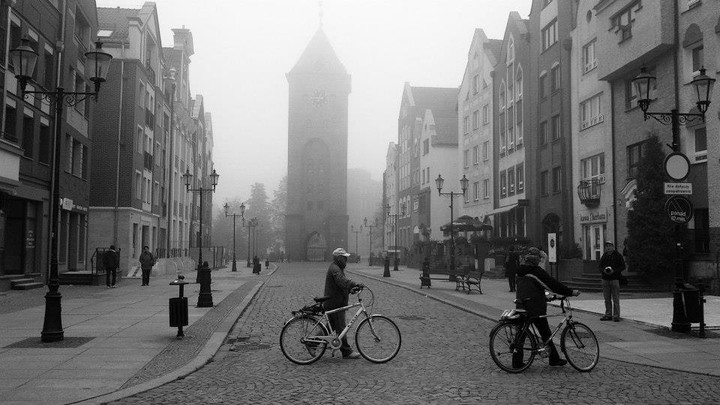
(319, 56)
(116, 20)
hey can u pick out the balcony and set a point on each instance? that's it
(589, 191)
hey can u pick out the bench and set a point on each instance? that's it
(437, 274)
(463, 277)
(471, 279)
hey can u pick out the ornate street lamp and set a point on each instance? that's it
(370, 226)
(395, 219)
(97, 64)
(439, 181)
(204, 275)
(227, 214)
(251, 224)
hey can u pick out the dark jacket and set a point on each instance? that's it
(512, 264)
(147, 260)
(532, 283)
(337, 286)
(111, 260)
(614, 260)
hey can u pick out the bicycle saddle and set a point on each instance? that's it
(321, 299)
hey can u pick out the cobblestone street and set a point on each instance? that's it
(443, 359)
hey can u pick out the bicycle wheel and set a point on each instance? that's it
(378, 339)
(509, 350)
(293, 340)
(580, 346)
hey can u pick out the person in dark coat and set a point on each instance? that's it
(147, 261)
(611, 265)
(532, 282)
(511, 266)
(337, 287)
(111, 262)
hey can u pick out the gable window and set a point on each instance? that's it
(589, 61)
(549, 35)
(486, 114)
(510, 128)
(590, 113)
(520, 177)
(476, 119)
(426, 147)
(519, 120)
(475, 84)
(622, 22)
(503, 139)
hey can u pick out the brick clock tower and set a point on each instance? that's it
(316, 218)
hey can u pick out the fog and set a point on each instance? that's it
(244, 48)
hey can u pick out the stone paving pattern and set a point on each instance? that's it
(443, 359)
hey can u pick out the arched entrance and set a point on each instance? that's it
(315, 247)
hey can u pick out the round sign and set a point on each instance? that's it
(679, 209)
(677, 166)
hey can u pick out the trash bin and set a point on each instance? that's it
(178, 307)
(686, 307)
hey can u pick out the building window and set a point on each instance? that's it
(49, 77)
(503, 185)
(503, 139)
(589, 58)
(544, 190)
(426, 146)
(476, 190)
(486, 150)
(486, 114)
(486, 188)
(139, 141)
(10, 122)
(502, 94)
(698, 59)
(541, 86)
(556, 179)
(511, 127)
(622, 22)
(28, 141)
(476, 84)
(593, 168)
(543, 133)
(700, 144)
(466, 158)
(476, 119)
(635, 153)
(476, 155)
(511, 181)
(549, 35)
(44, 144)
(555, 78)
(520, 177)
(519, 84)
(138, 185)
(590, 113)
(555, 126)
(519, 120)
(466, 124)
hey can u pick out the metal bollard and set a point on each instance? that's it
(179, 307)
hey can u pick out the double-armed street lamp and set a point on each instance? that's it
(241, 215)
(356, 232)
(395, 219)
(97, 64)
(204, 276)
(644, 83)
(452, 194)
(370, 226)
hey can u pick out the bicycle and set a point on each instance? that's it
(515, 341)
(305, 337)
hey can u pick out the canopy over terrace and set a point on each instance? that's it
(467, 223)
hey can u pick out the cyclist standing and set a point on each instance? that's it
(532, 282)
(337, 287)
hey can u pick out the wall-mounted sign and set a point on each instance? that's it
(678, 188)
(593, 217)
(552, 248)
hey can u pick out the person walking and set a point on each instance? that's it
(611, 265)
(147, 261)
(512, 263)
(532, 282)
(111, 262)
(338, 287)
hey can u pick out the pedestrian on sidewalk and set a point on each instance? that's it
(337, 287)
(147, 261)
(611, 265)
(532, 282)
(512, 263)
(111, 262)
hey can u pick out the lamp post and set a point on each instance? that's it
(173, 86)
(356, 232)
(241, 215)
(395, 219)
(703, 85)
(97, 65)
(252, 223)
(204, 275)
(463, 185)
(371, 226)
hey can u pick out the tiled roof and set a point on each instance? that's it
(116, 20)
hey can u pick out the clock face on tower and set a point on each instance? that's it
(318, 98)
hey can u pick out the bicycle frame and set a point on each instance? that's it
(567, 318)
(334, 340)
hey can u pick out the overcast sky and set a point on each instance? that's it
(244, 48)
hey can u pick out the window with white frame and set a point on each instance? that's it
(549, 35)
(466, 124)
(622, 22)
(589, 59)
(486, 114)
(541, 86)
(519, 84)
(519, 121)
(511, 127)
(476, 155)
(556, 179)
(476, 84)
(593, 168)
(520, 177)
(503, 184)
(555, 126)
(555, 78)
(503, 139)
(698, 58)
(476, 190)
(511, 181)
(139, 140)
(476, 119)
(486, 150)
(510, 84)
(466, 158)
(700, 135)
(590, 112)
(502, 94)
(511, 51)
(486, 188)
(138, 185)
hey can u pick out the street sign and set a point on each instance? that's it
(678, 188)
(552, 248)
(677, 166)
(679, 209)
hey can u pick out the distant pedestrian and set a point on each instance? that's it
(512, 263)
(611, 266)
(111, 262)
(147, 261)
(267, 263)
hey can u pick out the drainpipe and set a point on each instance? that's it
(171, 166)
(117, 148)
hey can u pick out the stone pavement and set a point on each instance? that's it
(642, 337)
(116, 340)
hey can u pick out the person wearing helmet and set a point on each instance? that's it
(337, 287)
(532, 282)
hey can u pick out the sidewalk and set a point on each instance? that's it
(642, 337)
(117, 341)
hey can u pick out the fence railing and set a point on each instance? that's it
(214, 255)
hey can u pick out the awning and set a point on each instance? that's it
(503, 209)
(466, 223)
